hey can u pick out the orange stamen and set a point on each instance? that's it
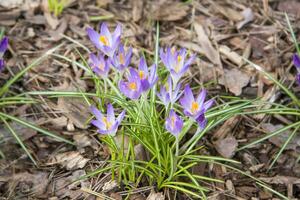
(141, 74)
(195, 107)
(132, 86)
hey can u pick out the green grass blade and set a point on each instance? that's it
(270, 135)
(284, 146)
(15, 135)
(285, 89)
(22, 72)
(273, 191)
(292, 33)
(29, 125)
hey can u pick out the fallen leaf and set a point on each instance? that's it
(110, 185)
(70, 160)
(231, 55)
(52, 21)
(56, 35)
(227, 146)
(155, 196)
(230, 13)
(234, 80)
(281, 138)
(289, 6)
(285, 180)
(76, 110)
(169, 12)
(137, 9)
(248, 17)
(209, 51)
(31, 181)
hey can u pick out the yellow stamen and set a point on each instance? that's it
(103, 39)
(132, 86)
(167, 86)
(121, 58)
(179, 58)
(178, 65)
(141, 74)
(106, 122)
(195, 107)
(173, 119)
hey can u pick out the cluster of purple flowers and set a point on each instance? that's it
(140, 80)
(3, 47)
(296, 61)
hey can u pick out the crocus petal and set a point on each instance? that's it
(104, 31)
(298, 79)
(3, 45)
(1, 64)
(296, 60)
(117, 31)
(202, 121)
(98, 124)
(145, 84)
(110, 113)
(188, 98)
(143, 65)
(94, 37)
(174, 123)
(121, 116)
(132, 94)
(96, 112)
(201, 98)
(208, 104)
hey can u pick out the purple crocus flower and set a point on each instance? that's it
(174, 123)
(121, 59)
(195, 108)
(148, 79)
(105, 41)
(99, 65)
(107, 124)
(175, 61)
(167, 94)
(132, 88)
(3, 47)
(296, 61)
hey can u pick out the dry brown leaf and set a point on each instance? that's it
(137, 9)
(289, 6)
(31, 181)
(231, 55)
(70, 160)
(230, 13)
(155, 196)
(56, 35)
(280, 139)
(234, 80)
(52, 21)
(227, 146)
(285, 180)
(169, 12)
(209, 51)
(110, 185)
(248, 17)
(76, 110)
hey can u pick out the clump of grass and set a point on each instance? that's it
(57, 6)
